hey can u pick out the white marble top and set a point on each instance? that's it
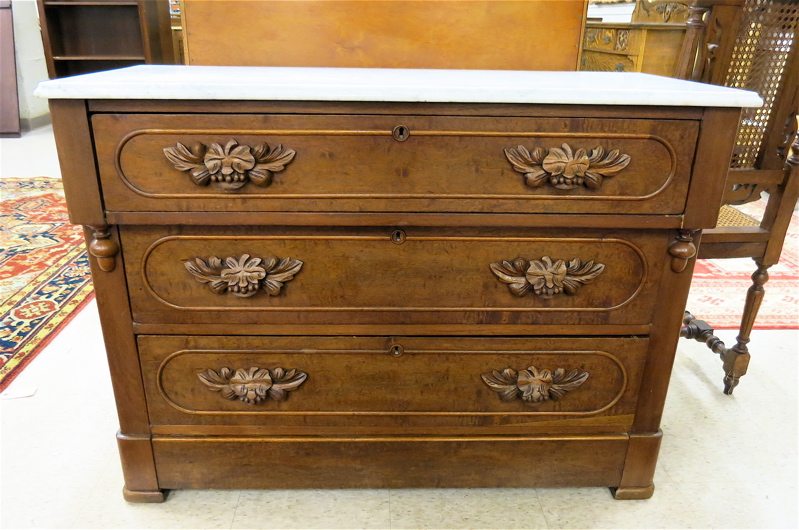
(378, 84)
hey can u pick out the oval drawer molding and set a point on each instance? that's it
(532, 385)
(244, 276)
(544, 277)
(566, 168)
(254, 385)
(232, 166)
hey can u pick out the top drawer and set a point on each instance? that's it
(322, 163)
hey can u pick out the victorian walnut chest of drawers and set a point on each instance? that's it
(343, 278)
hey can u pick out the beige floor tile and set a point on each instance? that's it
(40, 505)
(313, 509)
(466, 508)
(105, 507)
(758, 504)
(184, 509)
(661, 475)
(596, 508)
(62, 438)
(709, 436)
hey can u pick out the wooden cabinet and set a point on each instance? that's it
(649, 41)
(406, 292)
(648, 47)
(94, 35)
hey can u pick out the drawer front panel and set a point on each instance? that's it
(296, 382)
(379, 276)
(399, 462)
(393, 163)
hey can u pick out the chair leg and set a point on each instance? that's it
(701, 331)
(736, 359)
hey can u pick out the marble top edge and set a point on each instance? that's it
(392, 85)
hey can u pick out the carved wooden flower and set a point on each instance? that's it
(532, 385)
(254, 385)
(544, 277)
(243, 275)
(229, 165)
(564, 167)
(563, 164)
(232, 166)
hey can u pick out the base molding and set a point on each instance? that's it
(388, 462)
(138, 467)
(31, 124)
(626, 494)
(143, 496)
(637, 482)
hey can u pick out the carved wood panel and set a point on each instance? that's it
(604, 62)
(254, 385)
(533, 385)
(232, 166)
(363, 277)
(611, 39)
(544, 277)
(356, 381)
(352, 164)
(244, 276)
(566, 168)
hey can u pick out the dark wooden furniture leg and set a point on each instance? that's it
(735, 359)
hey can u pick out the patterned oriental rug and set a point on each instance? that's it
(718, 289)
(44, 270)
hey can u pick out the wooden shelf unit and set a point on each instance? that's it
(84, 36)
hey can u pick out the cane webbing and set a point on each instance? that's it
(758, 63)
(729, 216)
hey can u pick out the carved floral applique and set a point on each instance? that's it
(532, 385)
(544, 277)
(244, 276)
(254, 385)
(232, 166)
(229, 164)
(565, 168)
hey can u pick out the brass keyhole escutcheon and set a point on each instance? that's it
(400, 133)
(396, 350)
(398, 237)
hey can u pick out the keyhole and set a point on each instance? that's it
(398, 237)
(401, 133)
(396, 350)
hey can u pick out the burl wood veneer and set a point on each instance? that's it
(334, 294)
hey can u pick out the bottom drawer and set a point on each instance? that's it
(390, 385)
(408, 462)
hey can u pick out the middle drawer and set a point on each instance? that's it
(379, 276)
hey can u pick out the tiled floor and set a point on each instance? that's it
(726, 462)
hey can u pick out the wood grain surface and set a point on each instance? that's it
(363, 277)
(482, 35)
(399, 462)
(360, 384)
(353, 163)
